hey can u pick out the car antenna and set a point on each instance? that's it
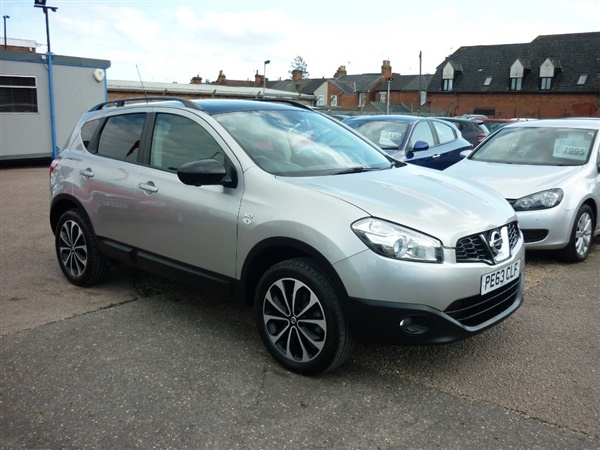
(139, 75)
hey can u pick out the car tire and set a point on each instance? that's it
(77, 250)
(582, 237)
(300, 318)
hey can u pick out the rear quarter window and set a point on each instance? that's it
(88, 130)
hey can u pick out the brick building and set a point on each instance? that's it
(552, 76)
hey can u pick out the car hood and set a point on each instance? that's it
(512, 181)
(423, 199)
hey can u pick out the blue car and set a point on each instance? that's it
(424, 141)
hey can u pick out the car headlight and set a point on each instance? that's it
(539, 200)
(395, 241)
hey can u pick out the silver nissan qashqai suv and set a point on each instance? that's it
(331, 240)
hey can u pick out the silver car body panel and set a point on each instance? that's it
(513, 181)
(419, 198)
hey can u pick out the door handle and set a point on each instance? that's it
(436, 156)
(148, 187)
(88, 173)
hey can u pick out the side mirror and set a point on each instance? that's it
(420, 146)
(465, 153)
(205, 172)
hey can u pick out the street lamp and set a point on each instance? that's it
(265, 76)
(42, 4)
(5, 17)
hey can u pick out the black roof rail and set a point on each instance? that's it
(122, 101)
(284, 100)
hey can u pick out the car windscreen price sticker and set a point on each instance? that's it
(494, 280)
(576, 149)
(390, 138)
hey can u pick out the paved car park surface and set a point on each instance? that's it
(140, 362)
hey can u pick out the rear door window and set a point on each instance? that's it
(120, 138)
(445, 132)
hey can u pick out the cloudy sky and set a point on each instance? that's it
(172, 41)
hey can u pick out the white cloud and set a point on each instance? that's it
(174, 41)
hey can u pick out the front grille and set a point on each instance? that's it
(474, 311)
(474, 248)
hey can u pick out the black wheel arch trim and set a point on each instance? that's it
(62, 203)
(273, 250)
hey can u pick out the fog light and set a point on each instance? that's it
(415, 325)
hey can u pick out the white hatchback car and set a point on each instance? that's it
(549, 171)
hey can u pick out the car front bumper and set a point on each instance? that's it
(413, 324)
(419, 304)
(552, 226)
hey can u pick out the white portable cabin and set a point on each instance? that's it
(42, 96)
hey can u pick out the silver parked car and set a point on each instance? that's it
(549, 171)
(330, 239)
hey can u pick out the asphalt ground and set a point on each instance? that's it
(141, 362)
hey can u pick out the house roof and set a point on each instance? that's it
(573, 55)
(359, 83)
(348, 84)
(405, 83)
(307, 85)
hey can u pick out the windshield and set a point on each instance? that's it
(386, 134)
(537, 146)
(300, 143)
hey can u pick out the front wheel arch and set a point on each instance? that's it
(274, 250)
(300, 317)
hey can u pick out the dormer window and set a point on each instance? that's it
(518, 72)
(450, 74)
(548, 72)
(546, 83)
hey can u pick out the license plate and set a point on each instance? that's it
(497, 279)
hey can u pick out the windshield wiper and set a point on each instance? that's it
(359, 169)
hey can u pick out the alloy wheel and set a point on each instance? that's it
(72, 248)
(294, 320)
(583, 234)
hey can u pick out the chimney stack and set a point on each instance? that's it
(196, 80)
(386, 69)
(341, 72)
(296, 75)
(258, 79)
(221, 78)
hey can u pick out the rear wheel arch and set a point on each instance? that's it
(60, 205)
